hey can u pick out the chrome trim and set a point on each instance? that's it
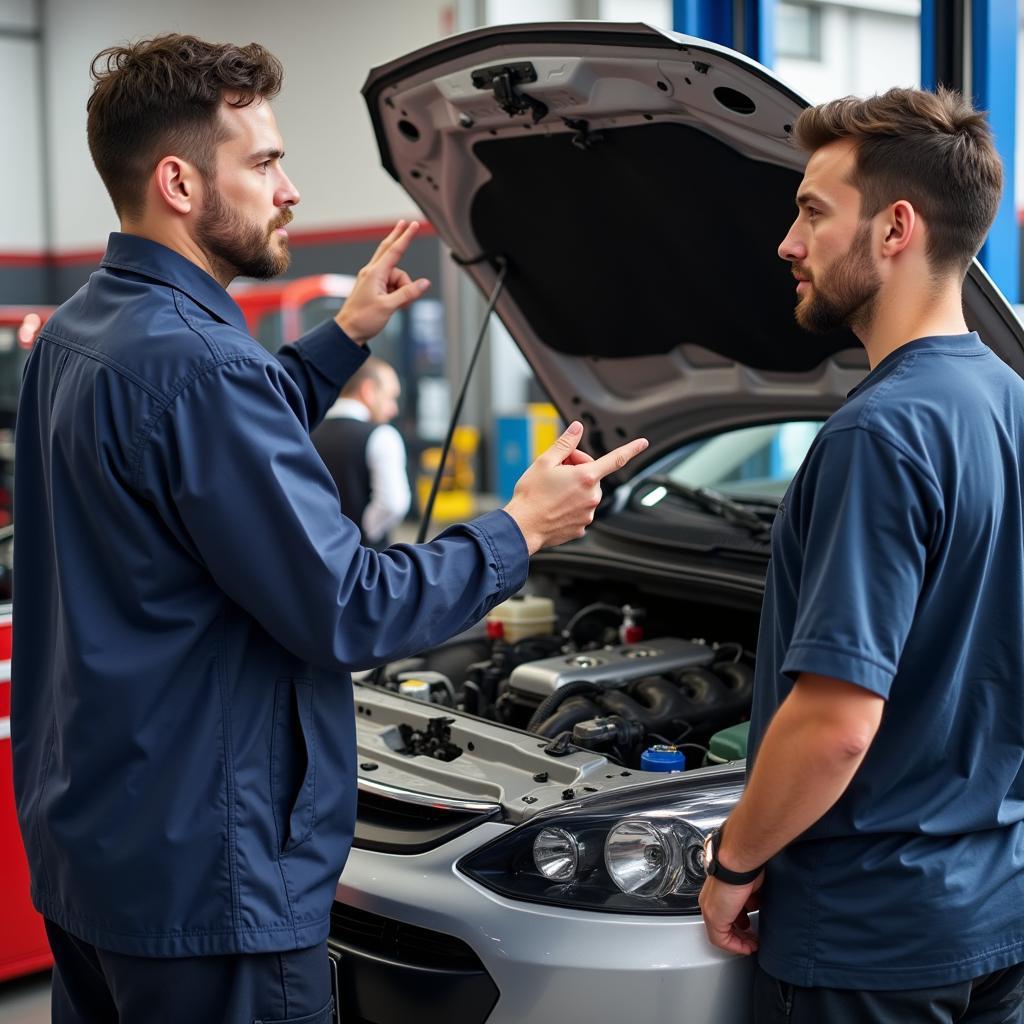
(425, 799)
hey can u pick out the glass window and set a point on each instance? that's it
(752, 462)
(798, 31)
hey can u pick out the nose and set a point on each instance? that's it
(287, 194)
(792, 247)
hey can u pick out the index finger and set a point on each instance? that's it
(618, 458)
(392, 235)
(393, 252)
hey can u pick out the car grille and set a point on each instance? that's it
(390, 972)
(386, 823)
(406, 943)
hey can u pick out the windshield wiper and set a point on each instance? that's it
(715, 503)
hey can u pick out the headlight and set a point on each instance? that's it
(633, 851)
(556, 854)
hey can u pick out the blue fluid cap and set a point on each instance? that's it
(662, 758)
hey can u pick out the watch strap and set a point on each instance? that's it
(716, 869)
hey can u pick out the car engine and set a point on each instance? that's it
(590, 679)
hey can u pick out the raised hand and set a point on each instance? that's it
(555, 499)
(381, 287)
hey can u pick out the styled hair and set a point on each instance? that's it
(161, 96)
(932, 149)
(372, 369)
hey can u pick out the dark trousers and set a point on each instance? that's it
(996, 998)
(94, 986)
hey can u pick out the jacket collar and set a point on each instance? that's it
(151, 259)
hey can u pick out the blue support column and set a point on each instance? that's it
(994, 73)
(745, 25)
(993, 70)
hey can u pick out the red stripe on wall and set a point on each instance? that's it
(297, 238)
(23, 259)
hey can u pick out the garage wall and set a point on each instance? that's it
(327, 47)
(23, 233)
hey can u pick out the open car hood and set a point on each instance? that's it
(636, 184)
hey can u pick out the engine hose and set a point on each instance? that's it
(738, 677)
(575, 709)
(551, 702)
(657, 703)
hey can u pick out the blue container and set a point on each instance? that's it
(662, 758)
(513, 452)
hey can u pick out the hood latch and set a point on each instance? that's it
(503, 80)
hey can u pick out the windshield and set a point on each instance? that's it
(752, 463)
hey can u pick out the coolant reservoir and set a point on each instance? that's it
(729, 744)
(523, 616)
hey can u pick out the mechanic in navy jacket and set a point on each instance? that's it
(886, 772)
(190, 602)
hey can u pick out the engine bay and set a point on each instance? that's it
(605, 675)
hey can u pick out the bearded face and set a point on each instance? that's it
(845, 293)
(240, 245)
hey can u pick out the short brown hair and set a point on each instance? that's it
(932, 149)
(160, 96)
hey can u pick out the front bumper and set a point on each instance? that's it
(525, 963)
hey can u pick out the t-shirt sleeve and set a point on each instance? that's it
(866, 514)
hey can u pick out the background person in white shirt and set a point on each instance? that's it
(365, 454)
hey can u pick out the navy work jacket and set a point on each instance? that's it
(189, 603)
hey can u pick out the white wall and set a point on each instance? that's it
(863, 52)
(327, 48)
(22, 177)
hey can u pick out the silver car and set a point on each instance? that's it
(535, 793)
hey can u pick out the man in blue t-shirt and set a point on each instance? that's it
(881, 829)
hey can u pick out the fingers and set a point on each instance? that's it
(409, 293)
(398, 279)
(390, 240)
(618, 458)
(391, 253)
(732, 940)
(565, 445)
(577, 458)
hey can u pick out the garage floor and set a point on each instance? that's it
(25, 1000)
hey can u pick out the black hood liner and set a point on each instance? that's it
(654, 236)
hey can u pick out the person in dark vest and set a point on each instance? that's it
(365, 454)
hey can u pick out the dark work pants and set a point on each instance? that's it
(94, 986)
(996, 998)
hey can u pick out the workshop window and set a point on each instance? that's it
(798, 31)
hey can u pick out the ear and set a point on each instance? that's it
(367, 391)
(900, 225)
(176, 182)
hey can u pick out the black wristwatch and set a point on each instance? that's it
(714, 868)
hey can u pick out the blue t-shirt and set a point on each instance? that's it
(898, 565)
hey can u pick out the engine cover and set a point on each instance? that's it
(608, 666)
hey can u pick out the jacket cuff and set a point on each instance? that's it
(332, 352)
(507, 546)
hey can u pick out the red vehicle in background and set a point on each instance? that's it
(23, 945)
(283, 311)
(19, 326)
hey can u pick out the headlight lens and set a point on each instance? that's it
(633, 851)
(556, 854)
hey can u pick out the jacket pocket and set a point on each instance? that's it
(293, 762)
(324, 1016)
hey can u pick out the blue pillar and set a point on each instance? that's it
(745, 25)
(993, 70)
(994, 87)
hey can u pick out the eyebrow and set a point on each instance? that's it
(810, 197)
(266, 154)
